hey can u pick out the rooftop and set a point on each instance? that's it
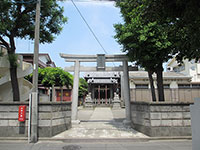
(144, 74)
(102, 75)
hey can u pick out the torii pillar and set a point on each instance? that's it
(126, 94)
(75, 92)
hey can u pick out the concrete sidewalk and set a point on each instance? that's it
(151, 145)
(100, 123)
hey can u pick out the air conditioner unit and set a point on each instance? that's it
(169, 68)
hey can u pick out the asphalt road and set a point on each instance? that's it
(95, 145)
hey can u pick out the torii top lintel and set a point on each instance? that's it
(93, 58)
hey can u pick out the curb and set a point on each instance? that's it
(100, 140)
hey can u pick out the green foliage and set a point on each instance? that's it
(181, 19)
(186, 19)
(18, 20)
(83, 87)
(29, 77)
(53, 76)
(146, 36)
(144, 39)
(58, 77)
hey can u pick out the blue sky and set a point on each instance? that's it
(76, 37)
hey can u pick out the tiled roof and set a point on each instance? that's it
(144, 74)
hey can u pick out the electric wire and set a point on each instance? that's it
(94, 35)
(90, 28)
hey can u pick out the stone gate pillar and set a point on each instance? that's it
(126, 93)
(75, 91)
(122, 88)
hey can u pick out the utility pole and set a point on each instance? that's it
(34, 116)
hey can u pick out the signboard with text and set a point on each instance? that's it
(22, 113)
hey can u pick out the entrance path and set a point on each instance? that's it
(102, 122)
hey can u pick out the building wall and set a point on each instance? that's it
(191, 68)
(171, 95)
(161, 119)
(176, 90)
(53, 119)
(43, 59)
(67, 95)
(145, 95)
(3, 50)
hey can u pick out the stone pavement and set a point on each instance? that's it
(101, 123)
(55, 145)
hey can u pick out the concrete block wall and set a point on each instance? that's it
(53, 119)
(9, 124)
(161, 119)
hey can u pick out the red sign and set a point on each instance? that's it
(22, 113)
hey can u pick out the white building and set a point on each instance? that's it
(190, 68)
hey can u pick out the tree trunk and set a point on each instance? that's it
(153, 94)
(14, 83)
(13, 73)
(159, 74)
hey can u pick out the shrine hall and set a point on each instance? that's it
(103, 86)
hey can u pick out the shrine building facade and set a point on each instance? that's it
(102, 86)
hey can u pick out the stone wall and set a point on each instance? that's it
(161, 119)
(54, 117)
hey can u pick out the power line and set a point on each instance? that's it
(89, 27)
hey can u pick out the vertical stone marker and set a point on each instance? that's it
(195, 123)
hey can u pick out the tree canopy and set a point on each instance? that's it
(49, 76)
(185, 15)
(53, 76)
(146, 38)
(155, 30)
(83, 87)
(17, 20)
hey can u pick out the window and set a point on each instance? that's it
(179, 68)
(196, 86)
(192, 68)
(142, 86)
(192, 61)
(166, 86)
(184, 86)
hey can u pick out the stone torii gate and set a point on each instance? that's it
(100, 59)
